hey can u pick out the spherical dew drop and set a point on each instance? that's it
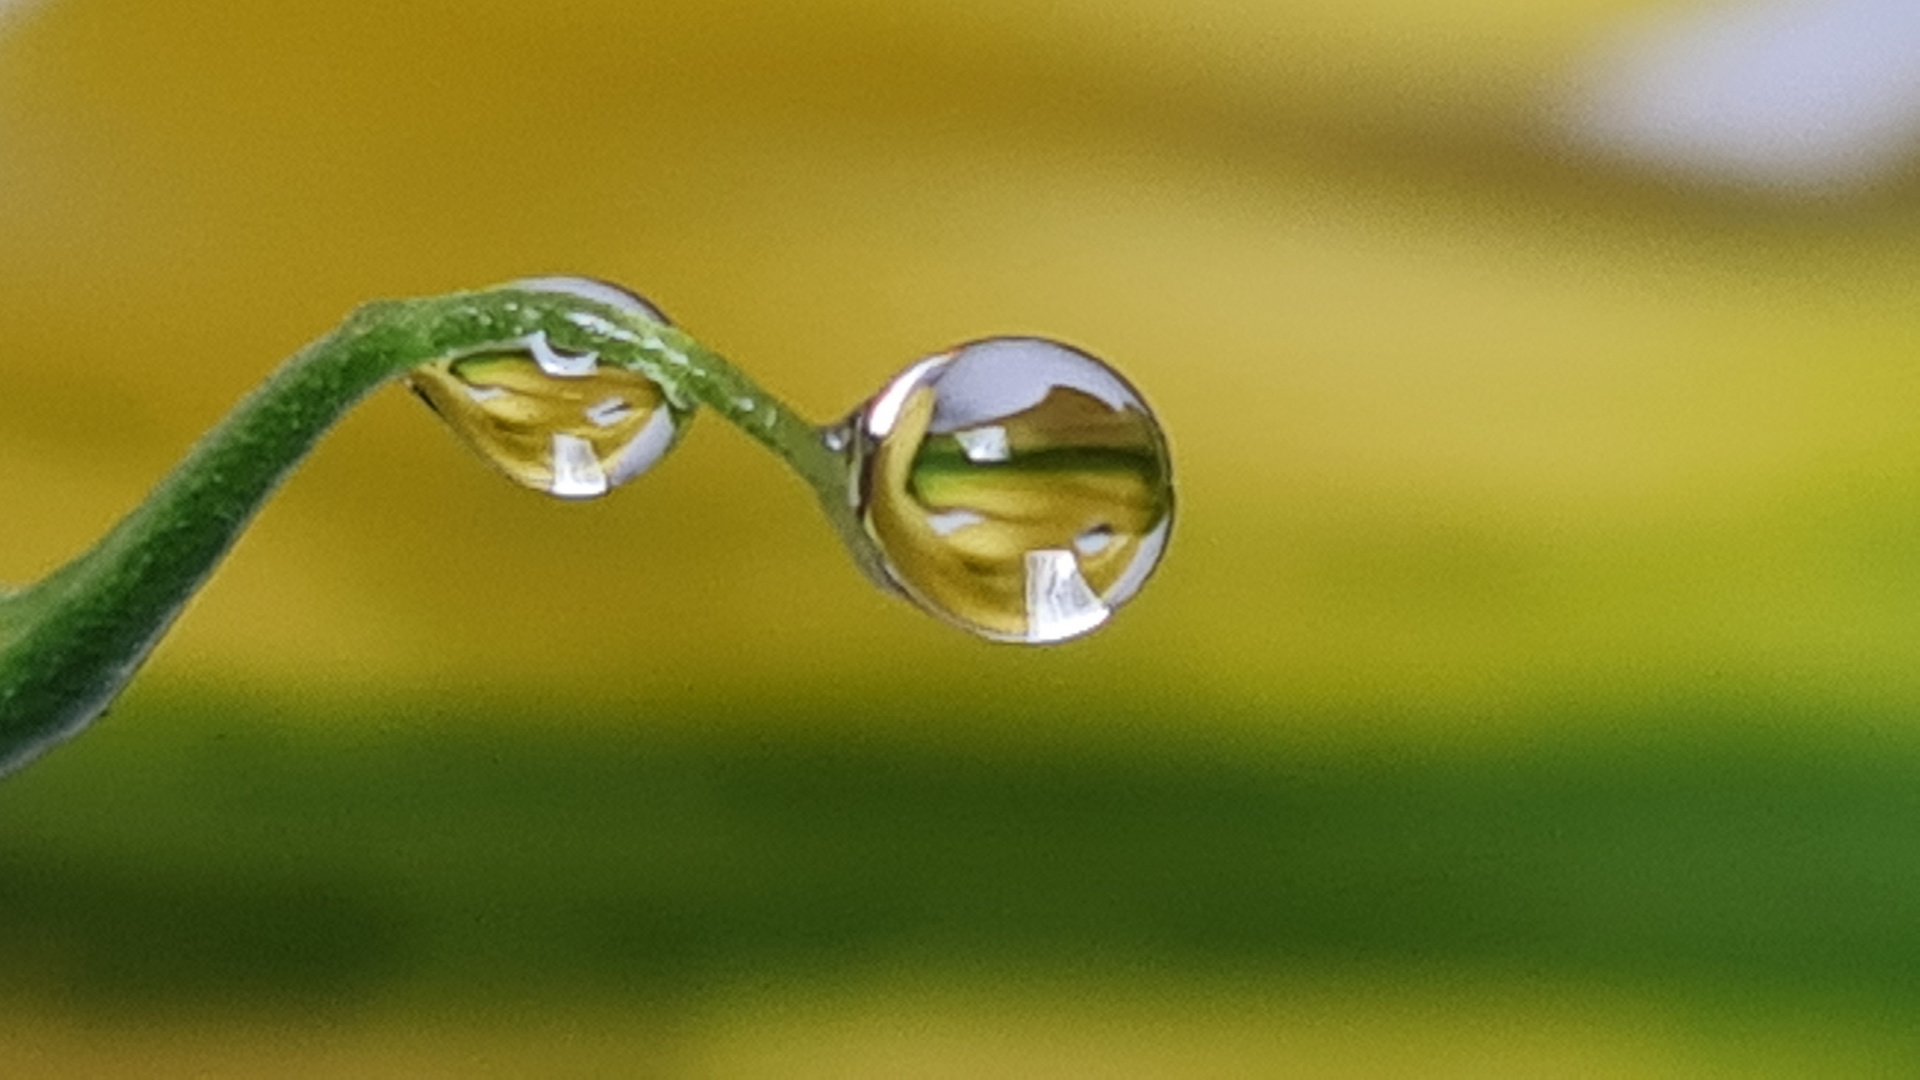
(1016, 487)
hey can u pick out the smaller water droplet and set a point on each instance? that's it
(553, 421)
(1015, 486)
(604, 292)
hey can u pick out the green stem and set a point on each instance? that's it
(71, 642)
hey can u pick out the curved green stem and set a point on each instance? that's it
(71, 642)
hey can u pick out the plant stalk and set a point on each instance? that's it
(72, 641)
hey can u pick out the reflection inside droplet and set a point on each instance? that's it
(1015, 486)
(984, 444)
(559, 422)
(1094, 540)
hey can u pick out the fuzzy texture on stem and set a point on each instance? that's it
(70, 642)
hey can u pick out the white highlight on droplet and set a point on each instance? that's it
(984, 445)
(947, 522)
(1094, 540)
(576, 471)
(598, 325)
(558, 364)
(1788, 94)
(885, 411)
(483, 394)
(1060, 604)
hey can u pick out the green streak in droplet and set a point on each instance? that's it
(70, 642)
(942, 455)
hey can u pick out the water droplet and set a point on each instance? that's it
(557, 422)
(1015, 486)
(605, 292)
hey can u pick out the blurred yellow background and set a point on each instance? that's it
(1479, 439)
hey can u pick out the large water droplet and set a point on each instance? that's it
(557, 422)
(1015, 486)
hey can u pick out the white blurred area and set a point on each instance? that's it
(1817, 97)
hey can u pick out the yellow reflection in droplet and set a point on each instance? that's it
(565, 425)
(1029, 522)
